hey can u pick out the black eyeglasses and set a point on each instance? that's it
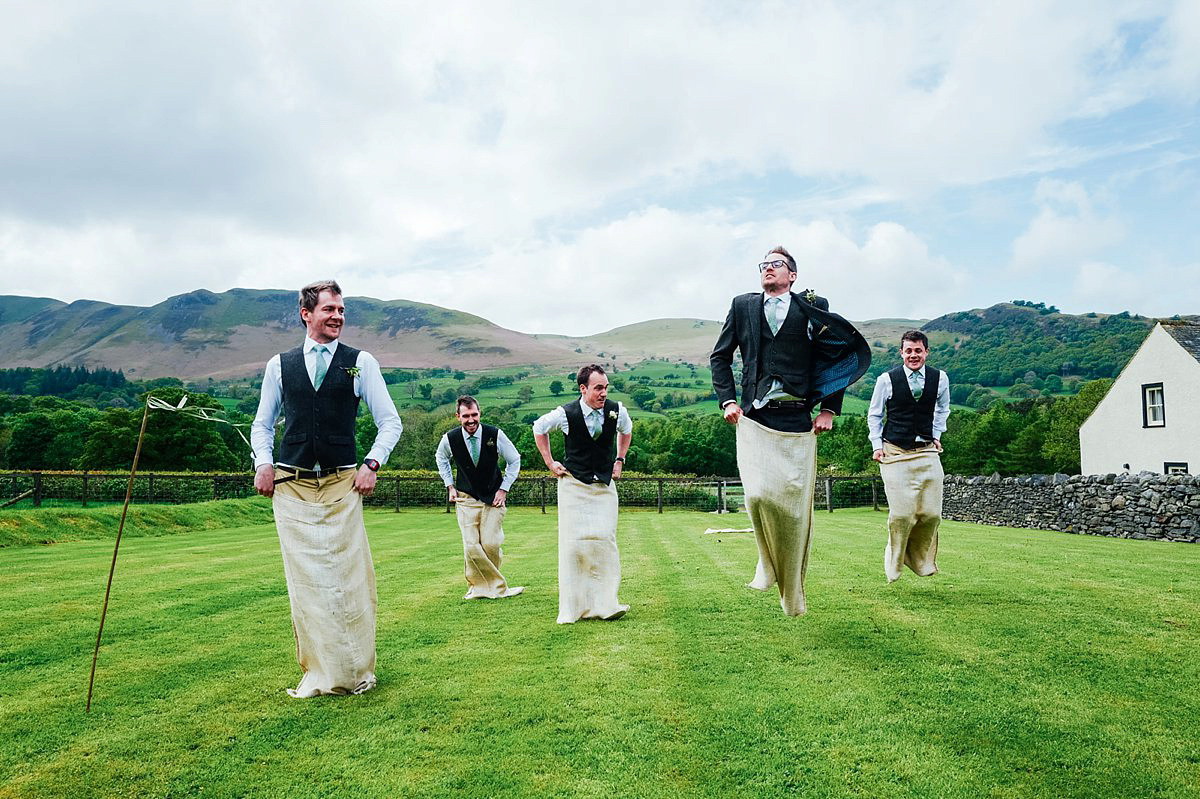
(771, 265)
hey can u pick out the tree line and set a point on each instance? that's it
(1036, 435)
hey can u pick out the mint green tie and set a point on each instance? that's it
(916, 382)
(773, 313)
(597, 423)
(321, 365)
(474, 443)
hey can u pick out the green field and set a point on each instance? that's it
(1037, 664)
(662, 377)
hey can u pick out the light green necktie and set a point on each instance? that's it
(916, 381)
(773, 313)
(474, 444)
(597, 423)
(322, 367)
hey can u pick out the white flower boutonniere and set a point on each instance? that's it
(491, 443)
(810, 296)
(612, 414)
(353, 371)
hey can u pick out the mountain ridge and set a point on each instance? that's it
(231, 334)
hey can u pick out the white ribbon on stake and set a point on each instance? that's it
(197, 412)
(208, 415)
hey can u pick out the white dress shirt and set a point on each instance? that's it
(368, 384)
(508, 453)
(883, 393)
(592, 417)
(776, 392)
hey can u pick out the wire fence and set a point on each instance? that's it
(707, 494)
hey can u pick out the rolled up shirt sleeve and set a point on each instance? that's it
(442, 458)
(370, 385)
(512, 460)
(549, 421)
(879, 398)
(624, 422)
(262, 430)
(941, 411)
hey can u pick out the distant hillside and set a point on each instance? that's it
(230, 335)
(202, 334)
(993, 346)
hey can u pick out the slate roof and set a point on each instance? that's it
(1187, 334)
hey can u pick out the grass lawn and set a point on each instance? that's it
(1037, 664)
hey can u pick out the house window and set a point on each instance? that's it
(1153, 408)
(1175, 468)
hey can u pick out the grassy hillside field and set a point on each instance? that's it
(1036, 664)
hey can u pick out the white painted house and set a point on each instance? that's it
(1150, 418)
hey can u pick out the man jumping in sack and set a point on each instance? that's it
(317, 488)
(915, 399)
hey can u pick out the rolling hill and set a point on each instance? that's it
(230, 335)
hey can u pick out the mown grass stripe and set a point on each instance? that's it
(1036, 664)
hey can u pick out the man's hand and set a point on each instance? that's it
(823, 422)
(877, 455)
(264, 480)
(501, 497)
(452, 494)
(937, 444)
(364, 481)
(618, 467)
(557, 469)
(732, 412)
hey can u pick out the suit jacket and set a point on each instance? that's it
(839, 353)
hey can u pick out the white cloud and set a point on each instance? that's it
(1149, 289)
(660, 263)
(411, 149)
(1066, 229)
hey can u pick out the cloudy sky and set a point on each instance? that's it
(569, 167)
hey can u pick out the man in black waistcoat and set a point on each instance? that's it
(797, 358)
(915, 399)
(596, 434)
(479, 493)
(317, 486)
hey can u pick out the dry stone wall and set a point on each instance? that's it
(1144, 506)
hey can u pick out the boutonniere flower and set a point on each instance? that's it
(612, 414)
(353, 371)
(810, 296)
(491, 443)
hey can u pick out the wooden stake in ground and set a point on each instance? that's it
(112, 569)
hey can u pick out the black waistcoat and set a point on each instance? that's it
(318, 425)
(907, 417)
(590, 459)
(480, 480)
(785, 355)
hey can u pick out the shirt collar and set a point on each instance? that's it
(920, 371)
(309, 344)
(785, 297)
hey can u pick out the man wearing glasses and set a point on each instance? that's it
(797, 357)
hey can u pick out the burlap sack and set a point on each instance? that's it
(482, 528)
(331, 585)
(913, 481)
(777, 471)
(589, 566)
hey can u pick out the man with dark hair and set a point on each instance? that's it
(479, 494)
(915, 398)
(317, 488)
(596, 433)
(797, 357)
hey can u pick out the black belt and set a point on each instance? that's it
(308, 474)
(795, 405)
